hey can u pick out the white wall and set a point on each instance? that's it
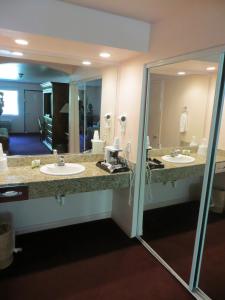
(67, 21)
(160, 194)
(44, 213)
(18, 121)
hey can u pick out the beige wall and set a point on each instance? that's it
(192, 92)
(108, 102)
(197, 93)
(128, 102)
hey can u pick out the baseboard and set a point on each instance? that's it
(62, 223)
(154, 205)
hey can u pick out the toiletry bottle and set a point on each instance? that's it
(203, 147)
(193, 142)
(3, 160)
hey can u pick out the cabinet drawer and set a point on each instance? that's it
(220, 167)
(14, 193)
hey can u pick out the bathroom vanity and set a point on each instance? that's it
(38, 201)
(90, 195)
(38, 185)
(173, 171)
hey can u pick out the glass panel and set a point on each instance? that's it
(93, 107)
(181, 101)
(212, 277)
(89, 111)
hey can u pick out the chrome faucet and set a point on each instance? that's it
(60, 159)
(175, 152)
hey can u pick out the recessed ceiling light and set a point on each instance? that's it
(86, 62)
(105, 54)
(16, 53)
(211, 68)
(181, 73)
(21, 42)
(5, 52)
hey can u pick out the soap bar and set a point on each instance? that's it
(186, 151)
(35, 163)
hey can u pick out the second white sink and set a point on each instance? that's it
(67, 169)
(179, 159)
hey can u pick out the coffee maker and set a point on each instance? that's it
(112, 162)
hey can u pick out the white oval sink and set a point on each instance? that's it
(68, 169)
(179, 159)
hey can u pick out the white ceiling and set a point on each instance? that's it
(55, 50)
(150, 11)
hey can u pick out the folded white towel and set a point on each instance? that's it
(183, 122)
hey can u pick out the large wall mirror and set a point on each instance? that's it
(43, 108)
(181, 102)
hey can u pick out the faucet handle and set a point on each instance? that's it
(61, 160)
(175, 152)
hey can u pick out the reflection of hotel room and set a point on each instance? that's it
(35, 111)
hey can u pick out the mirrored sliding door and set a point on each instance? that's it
(181, 99)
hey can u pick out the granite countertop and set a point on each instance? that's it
(173, 172)
(41, 185)
(93, 178)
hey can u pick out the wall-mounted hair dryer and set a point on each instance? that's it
(108, 120)
(123, 122)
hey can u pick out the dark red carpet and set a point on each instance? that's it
(88, 261)
(170, 231)
(212, 279)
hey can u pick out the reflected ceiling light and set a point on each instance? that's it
(16, 53)
(5, 52)
(21, 42)
(210, 68)
(104, 54)
(86, 62)
(181, 73)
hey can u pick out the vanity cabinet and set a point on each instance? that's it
(55, 120)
